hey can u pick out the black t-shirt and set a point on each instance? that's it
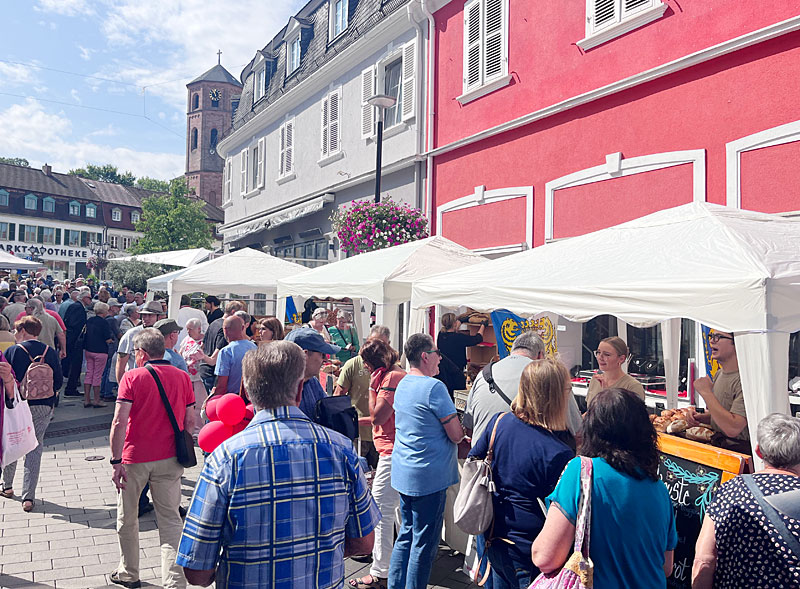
(454, 344)
(97, 332)
(214, 339)
(214, 315)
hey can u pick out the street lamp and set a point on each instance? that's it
(99, 249)
(381, 102)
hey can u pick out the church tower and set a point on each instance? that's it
(212, 100)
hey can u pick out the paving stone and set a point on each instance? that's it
(27, 567)
(76, 561)
(28, 547)
(82, 582)
(62, 572)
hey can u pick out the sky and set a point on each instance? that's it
(104, 81)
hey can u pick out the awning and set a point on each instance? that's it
(182, 258)
(277, 218)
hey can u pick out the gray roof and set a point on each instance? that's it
(217, 74)
(315, 50)
(117, 194)
(27, 179)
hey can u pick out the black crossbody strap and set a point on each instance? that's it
(772, 515)
(164, 399)
(493, 386)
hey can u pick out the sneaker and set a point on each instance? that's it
(182, 511)
(114, 577)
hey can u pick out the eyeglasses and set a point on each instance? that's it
(602, 354)
(715, 337)
(136, 350)
(437, 352)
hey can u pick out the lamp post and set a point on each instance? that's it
(381, 102)
(99, 249)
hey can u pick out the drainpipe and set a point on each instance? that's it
(431, 109)
(419, 194)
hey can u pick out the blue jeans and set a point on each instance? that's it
(107, 387)
(480, 546)
(509, 570)
(417, 541)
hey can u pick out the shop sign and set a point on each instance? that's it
(44, 251)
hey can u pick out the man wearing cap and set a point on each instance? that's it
(170, 329)
(149, 314)
(316, 350)
(75, 321)
(229, 360)
(107, 387)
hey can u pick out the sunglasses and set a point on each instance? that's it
(715, 337)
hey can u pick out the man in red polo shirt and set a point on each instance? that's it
(143, 451)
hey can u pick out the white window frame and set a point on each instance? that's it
(35, 232)
(31, 198)
(5, 232)
(91, 211)
(485, 82)
(136, 216)
(373, 82)
(113, 241)
(260, 84)
(256, 167)
(243, 171)
(126, 243)
(68, 235)
(75, 208)
(51, 231)
(228, 173)
(292, 57)
(623, 19)
(48, 200)
(330, 127)
(116, 215)
(333, 21)
(286, 159)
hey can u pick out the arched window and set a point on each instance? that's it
(194, 139)
(195, 101)
(213, 138)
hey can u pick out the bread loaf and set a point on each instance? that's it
(699, 433)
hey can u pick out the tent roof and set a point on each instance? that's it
(383, 276)
(12, 262)
(181, 258)
(161, 283)
(730, 269)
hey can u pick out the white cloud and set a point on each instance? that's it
(49, 24)
(107, 131)
(41, 137)
(86, 54)
(17, 74)
(65, 7)
(75, 96)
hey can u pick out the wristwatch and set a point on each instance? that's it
(115, 461)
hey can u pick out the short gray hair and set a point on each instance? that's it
(151, 341)
(415, 346)
(531, 342)
(244, 316)
(193, 322)
(100, 307)
(380, 331)
(130, 308)
(271, 373)
(779, 440)
(36, 305)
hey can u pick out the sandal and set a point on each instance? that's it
(7, 493)
(27, 505)
(376, 583)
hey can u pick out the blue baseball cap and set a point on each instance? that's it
(310, 339)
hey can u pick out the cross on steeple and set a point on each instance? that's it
(219, 57)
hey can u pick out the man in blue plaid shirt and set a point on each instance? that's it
(284, 502)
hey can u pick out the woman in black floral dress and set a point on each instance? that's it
(739, 545)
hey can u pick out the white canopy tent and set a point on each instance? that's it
(383, 276)
(733, 270)
(243, 271)
(182, 258)
(160, 283)
(11, 262)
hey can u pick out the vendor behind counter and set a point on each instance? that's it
(452, 345)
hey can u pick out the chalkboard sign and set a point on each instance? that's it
(691, 487)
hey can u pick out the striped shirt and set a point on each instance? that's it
(274, 504)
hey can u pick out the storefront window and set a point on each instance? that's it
(3, 230)
(48, 235)
(30, 233)
(73, 238)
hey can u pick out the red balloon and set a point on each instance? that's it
(249, 412)
(211, 409)
(239, 427)
(230, 409)
(212, 435)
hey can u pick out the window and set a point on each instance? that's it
(243, 171)
(195, 101)
(293, 55)
(338, 17)
(73, 238)
(331, 105)
(91, 211)
(226, 190)
(3, 198)
(49, 235)
(213, 142)
(256, 160)
(607, 19)
(113, 241)
(260, 84)
(485, 42)
(286, 163)
(75, 208)
(31, 202)
(4, 233)
(194, 139)
(48, 204)
(395, 76)
(31, 233)
(116, 215)
(135, 217)
(126, 243)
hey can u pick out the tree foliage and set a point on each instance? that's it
(15, 161)
(135, 274)
(172, 221)
(152, 184)
(106, 173)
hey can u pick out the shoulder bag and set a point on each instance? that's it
(772, 515)
(19, 436)
(578, 571)
(184, 444)
(473, 511)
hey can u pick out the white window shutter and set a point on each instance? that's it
(324, 127)
(604, 13)
(409, 86)
(262, 156)
(472, 44)
(282, 153)
(494, 61)
(243, 179)
(367, 111)
(334, 106)
(228, 170)
(634, 5)
(290, 146)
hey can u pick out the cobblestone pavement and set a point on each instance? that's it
(70, 541)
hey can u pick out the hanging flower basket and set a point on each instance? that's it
(96, 263)
(364, 226)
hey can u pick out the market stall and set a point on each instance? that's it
(384, 276)
(12, 262)
(182, 258)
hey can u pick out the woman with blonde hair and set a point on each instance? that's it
(611, 354)
(529, 456)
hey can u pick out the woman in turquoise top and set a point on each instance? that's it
(633, 536)
(344, 336)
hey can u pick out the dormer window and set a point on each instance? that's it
(31, 202)
(3, 198)
(49, 205)
(75, 208)
(338, 17)
(135, 217)
(293, 55)
(91, 211)
(260, 84)
(116, 215)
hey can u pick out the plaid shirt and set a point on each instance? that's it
(278, 501)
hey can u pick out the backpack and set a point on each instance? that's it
(338, 414)
(38, 380)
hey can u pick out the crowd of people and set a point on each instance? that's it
(285, 501)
